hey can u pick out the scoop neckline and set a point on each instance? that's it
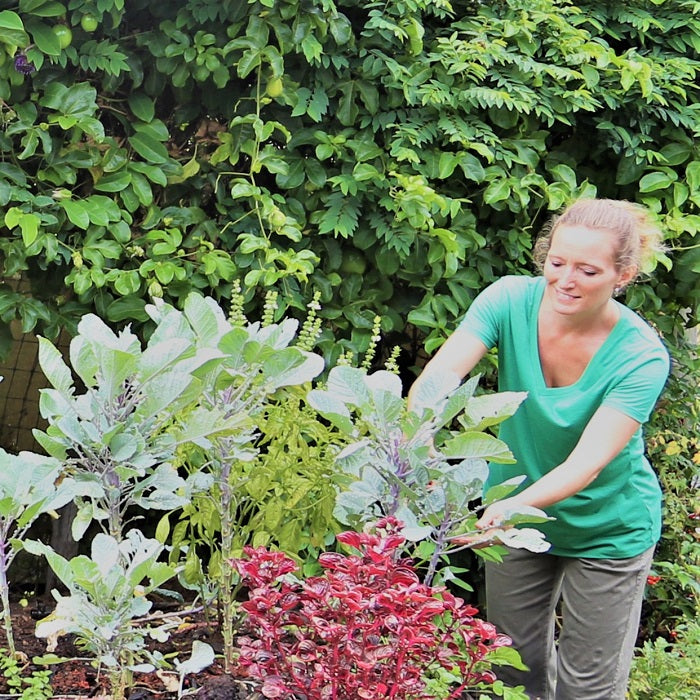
(535, 352)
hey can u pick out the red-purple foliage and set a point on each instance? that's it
(367, 628)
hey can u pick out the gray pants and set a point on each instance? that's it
(600, 608)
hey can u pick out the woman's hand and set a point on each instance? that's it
(490, 523)
(496, 513)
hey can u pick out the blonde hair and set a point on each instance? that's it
(639, 238)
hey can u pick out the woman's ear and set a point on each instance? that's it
(626, 277)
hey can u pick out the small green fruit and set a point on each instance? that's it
(277, 219)
(89, 23)
(63, 34)
(274, 87)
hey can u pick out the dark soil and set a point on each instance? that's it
(79, 678)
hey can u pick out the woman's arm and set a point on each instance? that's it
(458, 354)
(605, 435)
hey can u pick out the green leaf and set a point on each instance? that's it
(497, 191)
(12, 30)
(148, 148)
(42, 8)
(475, 445)
(10, 20)
(131, 307)
(657, 181)
(332, 408)
(249, 61)
(76, 212)
(142, 106)
(502, 490)
(113, 182)
(76, 100)
(44, 38)
(53, 367)
(488, 410)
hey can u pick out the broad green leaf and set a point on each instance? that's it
(29, 225)
(355, 457)
(148, 148)
(12, 31)
(487, 410)
(142, 106)
(113, 182)
(53, 366)
(60, 566)
(387, 407)
(347, 384)
(104, 552)
(332, 407)
(44, 38)
(657, 181)
(77, 212)
(206, 318)
(42, 8)
(502, 490)
(384, 381)
(476, 445)
(432, 390)
(291, 367)
(76, 100)
(163, 393)
(10, 20)
(526, 514)
(497, 191)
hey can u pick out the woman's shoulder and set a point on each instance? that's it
(642, 332)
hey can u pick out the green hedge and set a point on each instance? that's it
(397, 156)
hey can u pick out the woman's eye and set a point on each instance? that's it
(589, 273)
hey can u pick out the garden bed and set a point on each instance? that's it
(79, 678)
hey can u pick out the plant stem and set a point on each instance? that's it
(439, 548)
(227, 572)
(5, 596)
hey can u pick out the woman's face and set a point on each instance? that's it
(580, 270)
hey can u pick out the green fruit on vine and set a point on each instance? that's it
(89, 23)
(277, 219)
(274, 87)
(63, 34)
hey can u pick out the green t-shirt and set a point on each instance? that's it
(619, 514)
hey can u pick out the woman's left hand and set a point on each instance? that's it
(490, 521)
(496, 513)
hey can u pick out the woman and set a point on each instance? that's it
(593, 371)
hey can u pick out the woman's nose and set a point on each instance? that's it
(567, 276)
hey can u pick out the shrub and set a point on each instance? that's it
(365, 628)
(673, 593)
(665, 671)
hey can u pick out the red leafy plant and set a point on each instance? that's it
(367, 627)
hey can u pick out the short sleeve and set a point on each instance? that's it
(637, 391)
(485, 314)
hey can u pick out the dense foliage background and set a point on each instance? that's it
(397, 156)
